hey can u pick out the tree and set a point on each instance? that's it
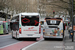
(74, 7)
(2, 5)
(54, 5)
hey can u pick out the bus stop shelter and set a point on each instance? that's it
(5, 16)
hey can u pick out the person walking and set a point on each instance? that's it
(70, 31)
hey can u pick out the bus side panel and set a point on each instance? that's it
(1, 29)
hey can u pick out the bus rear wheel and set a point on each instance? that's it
(12, 35)
(16, 37)
(45, 38)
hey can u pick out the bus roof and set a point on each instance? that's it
(54, 18)
(26, 14)
(29, 13)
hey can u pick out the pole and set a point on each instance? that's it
(70, 10)
(72, 23)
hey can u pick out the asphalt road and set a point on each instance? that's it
(69, 45)
(42, 45)
(46, 45)
(6, 40)
(50, 44)
(8, 43)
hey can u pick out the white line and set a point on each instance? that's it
(9, 45)
(31, 45)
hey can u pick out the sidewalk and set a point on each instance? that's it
(68, 44)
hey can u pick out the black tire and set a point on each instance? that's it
(45, 38)
(34, 39)
(16, 37)
(61, 39)
(12, 35)
(7, 33)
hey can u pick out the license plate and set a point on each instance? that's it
(53, 21)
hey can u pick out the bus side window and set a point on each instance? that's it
(15, 26)
(17, 18)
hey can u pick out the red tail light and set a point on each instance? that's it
(39, 29)
(20, 30)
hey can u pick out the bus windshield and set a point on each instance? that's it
(30, 20)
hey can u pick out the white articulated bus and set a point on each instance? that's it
(26, 25)
(53, 28)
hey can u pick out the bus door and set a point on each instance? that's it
(30, 25)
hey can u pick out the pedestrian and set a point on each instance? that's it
(70, 31)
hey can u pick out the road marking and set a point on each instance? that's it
(5, 35)
(31, 44)
(9, 45)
